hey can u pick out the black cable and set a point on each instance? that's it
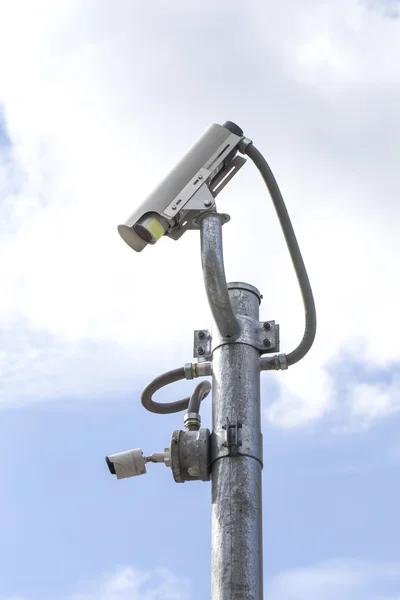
(295, 254)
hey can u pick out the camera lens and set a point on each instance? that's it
(143, 233)
(150, 227)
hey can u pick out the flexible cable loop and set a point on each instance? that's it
(295, 254)
(192, 418)
(165, 408)
(199, 393)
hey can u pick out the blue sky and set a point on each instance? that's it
(65, 520)
(97, 104)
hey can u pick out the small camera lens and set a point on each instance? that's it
(143, 233)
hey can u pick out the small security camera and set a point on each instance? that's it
(127, 464)
(189, 189)
(132, 463)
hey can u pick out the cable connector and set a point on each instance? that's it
(190, 371)
(280, 362)
(192, 421)
(194, 370)
(244, 143)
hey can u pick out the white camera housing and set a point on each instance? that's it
(127, 464)
(188, 190)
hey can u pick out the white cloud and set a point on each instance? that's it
(344, 579)
(126, 583)
(375, 400)
(99, 104)
(130, 584)
(294, 408)
(334, 580)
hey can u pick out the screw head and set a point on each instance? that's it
(266, 342)
(200, 177)
(267, 326)
(207, 203)
(201, 335)
(200, 351)
(173, 207)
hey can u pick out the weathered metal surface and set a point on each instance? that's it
(236, 464)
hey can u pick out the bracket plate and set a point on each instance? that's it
(191, 189)
(202, 345)
(226, 174)
(263, 335)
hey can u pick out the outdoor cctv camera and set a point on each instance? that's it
(132, 463)
(127, 464)
(188, 190)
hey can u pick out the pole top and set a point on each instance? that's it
(239, 285)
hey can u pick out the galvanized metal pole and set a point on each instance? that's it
(236, 462)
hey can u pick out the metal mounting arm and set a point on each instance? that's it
(212, 261)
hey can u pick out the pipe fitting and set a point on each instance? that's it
(278, 362)
(203, 369)
(281, 363)
(195, 370)
(244, 143)
(192, 421)
(190, 371)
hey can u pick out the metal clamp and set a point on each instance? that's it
(232, 441)
(262, 335)
(233, 438)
